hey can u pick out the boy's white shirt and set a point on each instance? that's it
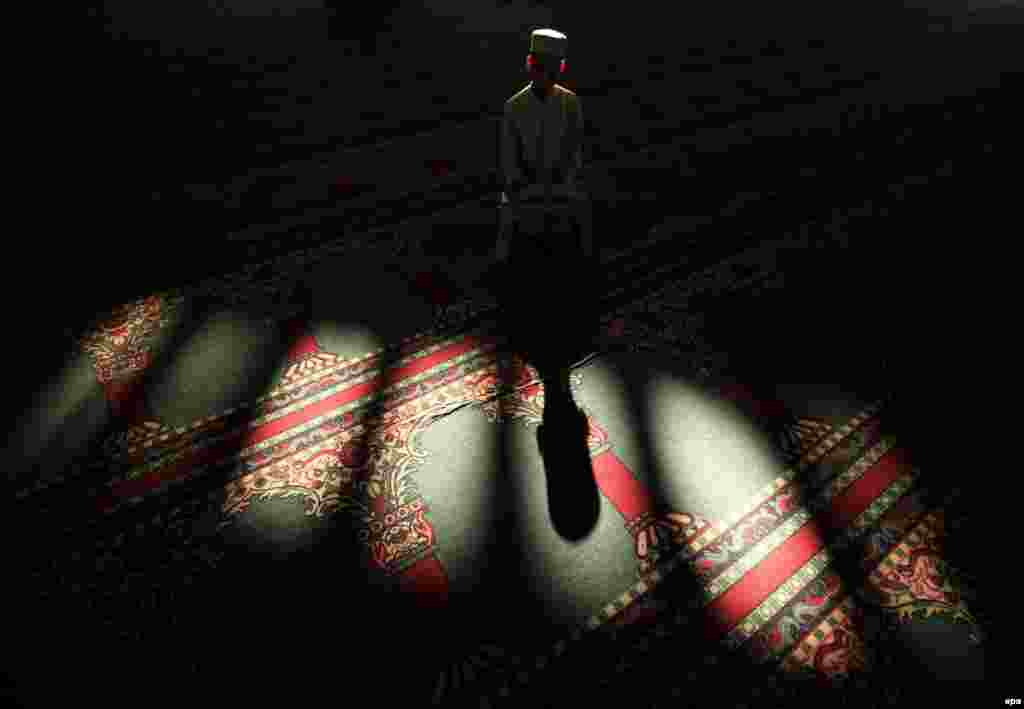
(551, 132)
(543, 134)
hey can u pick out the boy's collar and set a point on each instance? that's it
(536, 95)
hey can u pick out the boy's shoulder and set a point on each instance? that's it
(519, 98)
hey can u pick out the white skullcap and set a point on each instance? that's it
(549, 42)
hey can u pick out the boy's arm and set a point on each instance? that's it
(510, 156)
(571, 162)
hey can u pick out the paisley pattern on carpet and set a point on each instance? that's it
(344, 436)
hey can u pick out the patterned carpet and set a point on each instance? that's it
(327, 473)
(382, 515)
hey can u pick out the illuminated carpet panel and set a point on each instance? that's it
(714, 553)
(768, 586)
(124, 344)
(345, 437)
(122, 347)
(766, 583)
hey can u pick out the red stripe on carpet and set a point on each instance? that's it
(427, 583)
(127, 399)
(301, 341)
(617, 483)
(358, 391)
(301, 347)
(241, 439)
(761, 581)
(846, 507)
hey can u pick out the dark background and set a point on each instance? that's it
(153, 108)
(157, 99)
(150, 106)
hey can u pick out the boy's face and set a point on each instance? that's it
(544, 72)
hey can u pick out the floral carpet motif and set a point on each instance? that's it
(812, 626)
(772, 585)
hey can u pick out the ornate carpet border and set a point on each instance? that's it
(691, 550)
